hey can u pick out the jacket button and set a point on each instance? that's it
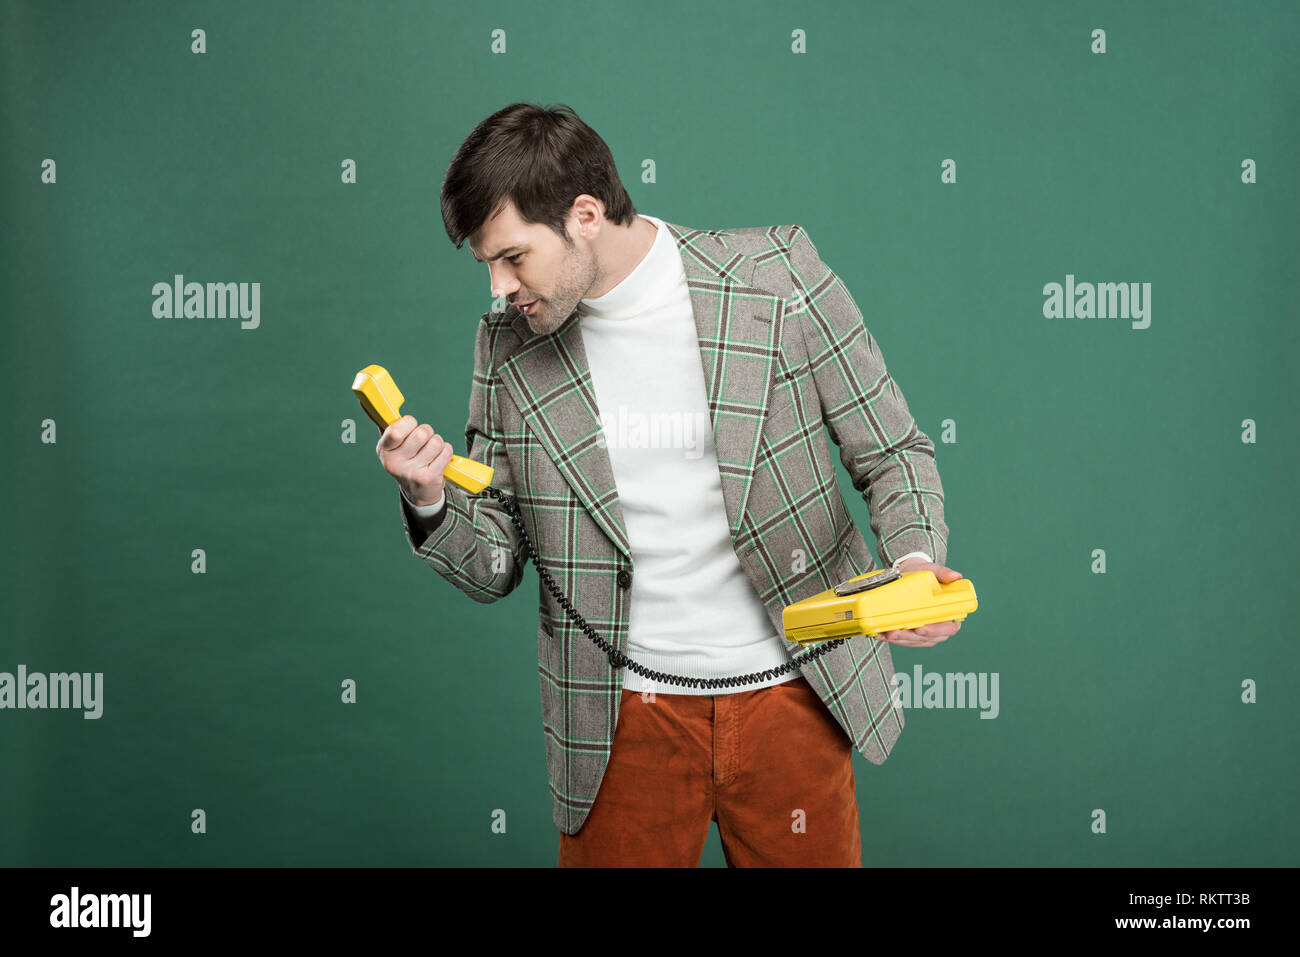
(624, 578)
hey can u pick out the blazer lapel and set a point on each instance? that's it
(739, 332)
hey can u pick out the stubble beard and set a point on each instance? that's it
(576, 280)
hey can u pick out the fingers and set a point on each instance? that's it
(942, 573)
(924, 637)
(396, 434)
(909, 639)
(413, 452)
(434, 456)
(409, 441)
(422, 445)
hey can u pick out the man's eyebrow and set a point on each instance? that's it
(505, 252)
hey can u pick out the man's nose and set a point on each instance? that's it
(503, 286)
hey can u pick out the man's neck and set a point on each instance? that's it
(628, 246)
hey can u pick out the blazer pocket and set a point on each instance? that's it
(787, 392)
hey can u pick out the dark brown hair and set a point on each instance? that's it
(540, 159)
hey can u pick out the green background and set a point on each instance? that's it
(1119, 691)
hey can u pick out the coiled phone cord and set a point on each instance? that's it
(619, 660)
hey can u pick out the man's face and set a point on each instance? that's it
(528, 262)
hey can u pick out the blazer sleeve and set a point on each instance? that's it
(472, 542)
(889, 459)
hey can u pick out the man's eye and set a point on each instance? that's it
(515, 258)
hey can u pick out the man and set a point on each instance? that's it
(681, 545)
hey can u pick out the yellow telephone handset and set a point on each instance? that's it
(382, 400)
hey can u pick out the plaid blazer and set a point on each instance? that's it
(787, 359)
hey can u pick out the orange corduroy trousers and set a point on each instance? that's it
(771, 766)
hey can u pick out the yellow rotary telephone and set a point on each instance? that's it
(869, 604)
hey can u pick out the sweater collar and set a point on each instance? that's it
(654, 278)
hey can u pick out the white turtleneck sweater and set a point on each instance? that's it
(693, 610)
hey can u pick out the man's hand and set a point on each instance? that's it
(931, 634)
(416, 456)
